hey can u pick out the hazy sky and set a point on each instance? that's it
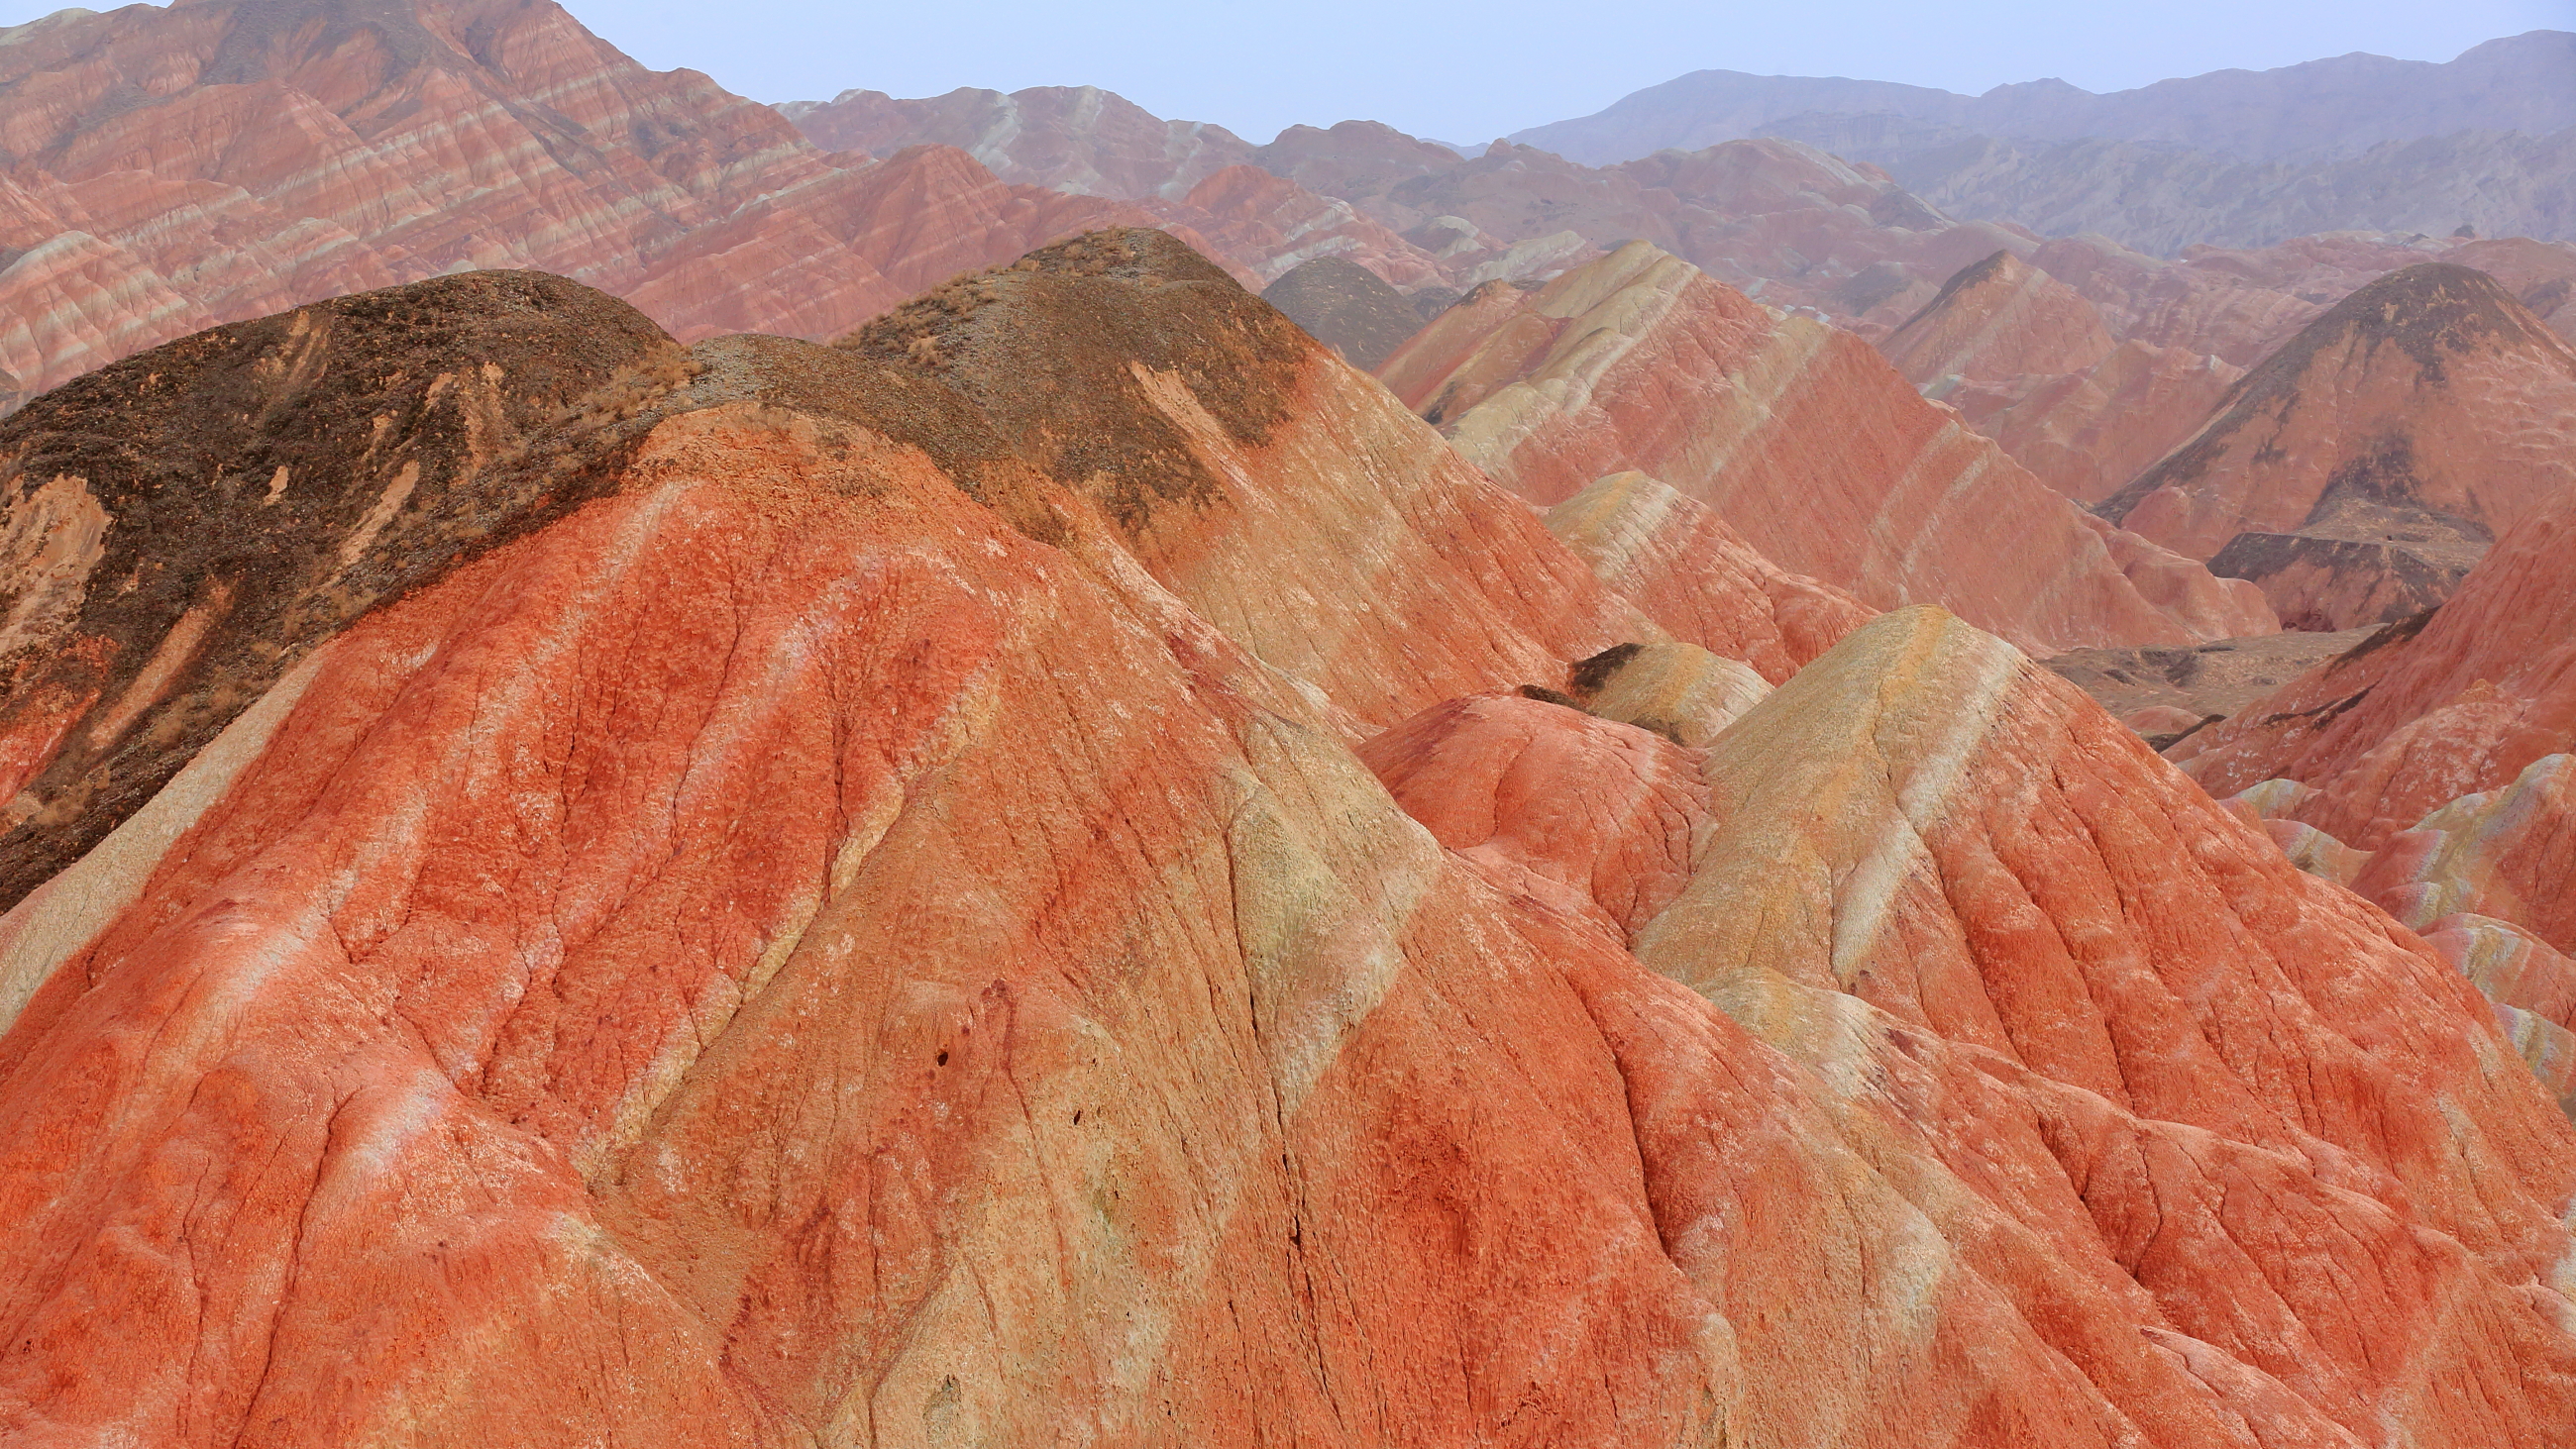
(1471, 71)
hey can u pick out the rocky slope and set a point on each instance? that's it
(2358, 471)
(2426, 710)
(2164, 201)
(861, 921)
(2031, 363)
(1080, 139)
(1803, 440)
(174, 168)
(1679, 562)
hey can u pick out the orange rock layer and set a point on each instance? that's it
(867, 925)
(1803, 440)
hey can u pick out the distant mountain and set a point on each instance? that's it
(2160, 199)
(2319, 110)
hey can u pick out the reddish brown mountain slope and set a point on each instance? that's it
(2029, 362)
(869, 929)
(2427, 710)
(2429, 391)
(1803, 440)
(2000, 318)
(214, 161)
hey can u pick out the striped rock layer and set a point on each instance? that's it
(1803, 440)
(862, 923)
(2031, 363)
(218, 161)
(2432, 390)
(2424, 711)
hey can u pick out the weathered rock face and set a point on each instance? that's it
(170, 563)
(2478, 854)
(2029, 361)
(1274, 226)
(1802, 439)
(2431, 389)
(2504, 853)
(1591, 816)
(1680, 563)
(1783, 222)
(1924, 877)
(2541, 275)
(2425, 710)
(177, 168)
(2199, 684)
(869, 928)
(1346, 307)
(1283, 496)
(2001, 318)
(1679, 691)
(2086, 434)
(180, 167)
(2237, 305)
(2325, 580)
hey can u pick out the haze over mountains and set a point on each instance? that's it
(2232, 158)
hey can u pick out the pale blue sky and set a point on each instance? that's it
(1469, 72)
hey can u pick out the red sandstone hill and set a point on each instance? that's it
(2427, 710)
(221, 160)
(2031, 363)
(827, 895)
(2430, 397)
(1803, 439)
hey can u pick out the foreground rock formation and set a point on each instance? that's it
(1803, 440)
(860, 907)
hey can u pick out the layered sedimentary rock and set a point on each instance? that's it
(1923, 876)
(867, 926)
(1784, 221)
(2356, 568)
(1803, 440)
(2086, 434)
(1591, 816)
(1080, 139)
(178, 168)
(1680, 691)
(2202, 683)
(1281, 494)
(2425, 710)
(2541, 275)
(169, 565)
(2029, 361)
(1274, 225)
(2000, 318)
(2429, 391)
(2468, 877)
(2504, 853)
(1680, 563)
